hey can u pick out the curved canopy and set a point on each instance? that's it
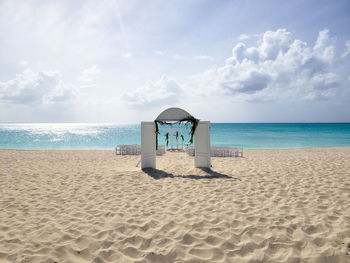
(174, 114)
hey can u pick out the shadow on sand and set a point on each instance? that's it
(159, 174)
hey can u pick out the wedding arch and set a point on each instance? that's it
(199, 131)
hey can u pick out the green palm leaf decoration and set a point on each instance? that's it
(167, 139)
(187, 121)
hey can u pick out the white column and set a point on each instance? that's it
(148, 145)
(172, 139)
(182, 142)
(177, 140)
(202, 145)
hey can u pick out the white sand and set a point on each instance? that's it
(94, 206)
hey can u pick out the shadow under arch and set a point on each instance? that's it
(159, 174)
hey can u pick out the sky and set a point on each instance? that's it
(127, 61)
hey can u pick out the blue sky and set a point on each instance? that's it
(126, 61)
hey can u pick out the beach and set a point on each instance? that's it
(278, 205)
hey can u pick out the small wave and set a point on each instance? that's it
(56, 140)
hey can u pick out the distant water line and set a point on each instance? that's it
(39, 136)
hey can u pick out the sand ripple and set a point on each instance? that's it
(93, 206)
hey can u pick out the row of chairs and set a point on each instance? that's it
(134, 149)
(128, 149)
(217, 151)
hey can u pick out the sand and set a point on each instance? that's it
(93, 206)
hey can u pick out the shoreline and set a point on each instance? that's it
(263, 149)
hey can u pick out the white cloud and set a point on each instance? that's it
(347, 51)
(36, 88)
(179, 57)
(126, 55)
(158, 52)
(56, 34)
(164, 91)
(93, 70)
(274, 43)
(200, 57)
(89, 75)
(183, 57)
(203, 57)
(277, 67)
(243, 37)
(23, 63)
(324, 47)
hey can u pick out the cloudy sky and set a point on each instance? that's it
(126, 61)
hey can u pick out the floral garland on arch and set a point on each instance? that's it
(191, 120)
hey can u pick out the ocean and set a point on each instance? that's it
(39, 136)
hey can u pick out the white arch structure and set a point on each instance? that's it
(201, 138)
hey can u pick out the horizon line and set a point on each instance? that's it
(296, 122)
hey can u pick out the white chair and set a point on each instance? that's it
(216, 151)
(126, 149)
(134, 149)
(190, 150)
(161, 150)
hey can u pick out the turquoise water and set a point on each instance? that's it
(106, 136)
